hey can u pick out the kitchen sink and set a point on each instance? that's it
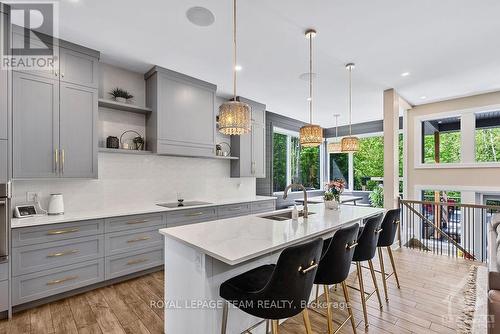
(285, 215)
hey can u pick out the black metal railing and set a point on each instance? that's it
(446, 228)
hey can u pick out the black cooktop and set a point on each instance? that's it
(183, 204)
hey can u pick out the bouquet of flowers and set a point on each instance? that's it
(334, 189)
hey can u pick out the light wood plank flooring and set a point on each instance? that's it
(428, 302)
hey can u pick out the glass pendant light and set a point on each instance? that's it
(350, 143)
(335, 146)
(311, 135)
(234, 116)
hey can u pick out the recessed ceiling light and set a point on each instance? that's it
(305, 76)
(423, 97)
(405, 74)
(238, 68)
(200, 16)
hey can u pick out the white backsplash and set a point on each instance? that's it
(129, 179)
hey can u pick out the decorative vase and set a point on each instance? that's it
(120, 99)
(332, 205)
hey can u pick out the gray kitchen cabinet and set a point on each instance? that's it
(35, 115)
(3, 161)
(251, 148)
(3, 100)
(78, 68)
(78, 131)
(55, 117)
(183, 118)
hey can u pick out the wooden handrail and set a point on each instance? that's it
(426, 220)
(476, 206)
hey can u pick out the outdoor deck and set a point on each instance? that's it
(429, 301)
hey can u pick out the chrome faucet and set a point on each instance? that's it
(297, 185)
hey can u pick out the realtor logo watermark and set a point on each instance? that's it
(28, 43)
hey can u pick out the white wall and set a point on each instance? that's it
(130, 179)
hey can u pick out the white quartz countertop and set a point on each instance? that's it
(122, 210)
(239, 239)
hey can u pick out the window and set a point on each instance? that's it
(441, 140)
(487, 136)
(368, 163)
(293, 163)
(339, 167)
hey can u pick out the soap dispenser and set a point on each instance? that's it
(295, 212)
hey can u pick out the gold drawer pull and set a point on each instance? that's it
(194, 214)
(378, 231)
(138, 239)
(62, 280)
(73, 251)
(132, 262)
(308, 269)
(69, 230)
(137, 222)
(352, 245)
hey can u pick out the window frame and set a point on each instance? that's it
(322, 150)
(467, 141)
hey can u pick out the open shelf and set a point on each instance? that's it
(122, 151)
(124, 106)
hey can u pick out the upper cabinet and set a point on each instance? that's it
(54, 122)
(251, 148)
(183, 118)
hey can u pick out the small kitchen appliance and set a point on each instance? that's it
(56, 204)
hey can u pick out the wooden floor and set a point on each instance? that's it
(428, 302)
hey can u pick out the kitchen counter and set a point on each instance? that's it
(200, 257)
(124, 210)
(236, 240)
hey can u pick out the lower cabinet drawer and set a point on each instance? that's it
(25, 236)
(132, 222)
(4, 295)
(4, 271)
(233, 210)
(124, 264)
(190, 216)
(46, 283)
(28, 259)
(125, 241)
(265, 206)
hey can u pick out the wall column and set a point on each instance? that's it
(391, 149)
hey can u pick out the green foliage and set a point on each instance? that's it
(328, 196)
(118, 92)
(279, 162)
(369, 161)
(377, 197)
(339, 167)
(449, 147)
(309, 167)
(488, 145)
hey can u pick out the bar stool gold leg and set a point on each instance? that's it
(393, 266)
(329, 314)
(224, 318)
(275, 325)
(362, 291)
(382, 270)
(317, 294)
(349, 309)
(374, 278)
(307, 322)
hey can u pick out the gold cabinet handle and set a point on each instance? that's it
(138, 239)
(69, 230)
(62, 161)
(352, 245)
(378, 231)
(308, 269)
(132, 262)
(194, 214)
(73, 251)
(62, 280)
(56, 160)
(137, 222)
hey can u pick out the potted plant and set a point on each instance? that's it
(377, 197)
(332, 194)
(121, 95)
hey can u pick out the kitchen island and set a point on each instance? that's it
(199, 257)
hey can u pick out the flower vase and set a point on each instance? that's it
(332, 205)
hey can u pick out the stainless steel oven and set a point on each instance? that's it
(5, 213)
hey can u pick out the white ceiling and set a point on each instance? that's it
(451, 47)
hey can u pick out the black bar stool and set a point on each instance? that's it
(334, 268)
(278, 291)
(389, 227)
(365, 251)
